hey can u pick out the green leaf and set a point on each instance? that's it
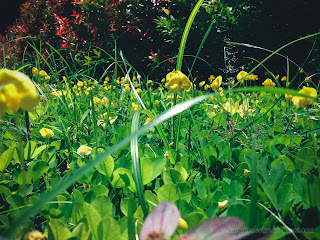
(39, 168)
(201, 188)
(146, 170)
(38, 150)
(104, 206)
(172, 176)
(5, 158)
(158, 166)
(184, 192)
(107, 166)
(305, 159)
(77, 196)
(283, 194)
(119, 182)
(111, 229)
(58, 231)
(181, 170)
(287, 163)
(276, 175)
(271, 193)
(80, 232)
(29, 149)
(93, 219)
(168, 192)
(236, 189)
(311, 191)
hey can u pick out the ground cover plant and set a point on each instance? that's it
(113, 154)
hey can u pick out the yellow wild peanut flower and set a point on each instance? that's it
(284, 78)
(216, 83)
(46, 132)
(222, 204)
(182, 223)
(96, 100)
(246, 171)
(268, 83)
(288, 96)
(80, 84)
(16, 91)
(206, 87)
(135, 107)
(253, 77)
(127, 88)
(176, 80)
(211, 78)
(138, 90)
(84, 150)
(307, 79)
(202, 83)
(156, 102)
(241, 76)
(303, 101)
(211, 98)
(34, 235)
(34, 71)
(43, 73)
(147, 121)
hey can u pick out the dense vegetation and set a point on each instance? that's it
(112, 108)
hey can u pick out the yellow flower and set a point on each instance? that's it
(222, 204)
(211, 78)
(35, 71)
(182, 223)
(206, 87)
(202, 83)
(241, 76)
(43, 73)
(211, 98)
(220, 89)
(46, 132)
(156, 102)
(277, 77)
(84, 150)
(288, 96)
(16, 91)
(147, 121)
(163, 80)
(80, 84)
(135, 107)
(216, 83)
(307, 79)
(284, 78)
(268, 83)
(127, 88)
(177, 80)
(34, 235)
(303, 101)
(253, 77)
(300, 70)
(215, 107)
(246, 171)
(138, 90)
(96, 100)
(54, 94)
(255, 102)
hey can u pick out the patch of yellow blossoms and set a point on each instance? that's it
(16, 91)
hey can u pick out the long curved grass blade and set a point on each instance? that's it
(186, 33)
(77, 174)
(136, 164)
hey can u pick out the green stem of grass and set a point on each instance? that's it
(253, 190)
